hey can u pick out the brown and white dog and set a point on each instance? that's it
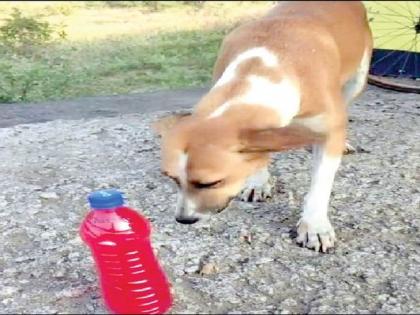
(282, 81)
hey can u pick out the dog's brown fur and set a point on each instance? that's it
(320, 46)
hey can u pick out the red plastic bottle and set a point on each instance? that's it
(131, 278)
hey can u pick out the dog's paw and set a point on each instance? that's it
(256, 193)
(258, 187)
(316, 233)
(349, 149)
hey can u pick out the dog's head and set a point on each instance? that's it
(211, 159)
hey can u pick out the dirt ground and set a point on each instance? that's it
(48, 168)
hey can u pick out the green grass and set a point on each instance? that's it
(124, 65)
(103, 54)
(170, 60)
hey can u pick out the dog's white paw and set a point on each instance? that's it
(349, 149)
(316, 233)
(257, 187)
(256, 193)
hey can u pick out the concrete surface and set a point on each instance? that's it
(252, 262)
(98, 106)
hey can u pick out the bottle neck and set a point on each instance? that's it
(113, 208)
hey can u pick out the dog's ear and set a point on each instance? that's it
(277, 139)
(166, 123)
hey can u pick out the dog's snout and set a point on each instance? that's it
(186, 220)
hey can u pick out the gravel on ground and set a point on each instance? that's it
(243, 260)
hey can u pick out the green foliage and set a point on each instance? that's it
(130, 64)
(35, 66)
(28, 70)
(19, 31)
(30, 79)
(24, 35)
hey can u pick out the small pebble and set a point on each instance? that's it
(49, 195)
(208, 269)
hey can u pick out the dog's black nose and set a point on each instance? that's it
(186, 220)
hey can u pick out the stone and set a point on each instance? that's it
(49, 195)
(208, 268)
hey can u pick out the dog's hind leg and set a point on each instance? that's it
(354, 87)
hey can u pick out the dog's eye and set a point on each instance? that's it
(200, 185)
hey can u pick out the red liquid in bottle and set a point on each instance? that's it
(131, 278)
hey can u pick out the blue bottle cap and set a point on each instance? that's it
(105, 199)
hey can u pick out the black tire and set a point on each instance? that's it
(385, 83)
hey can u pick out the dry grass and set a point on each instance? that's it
(84, 22)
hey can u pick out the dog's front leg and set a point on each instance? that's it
(314, 228)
